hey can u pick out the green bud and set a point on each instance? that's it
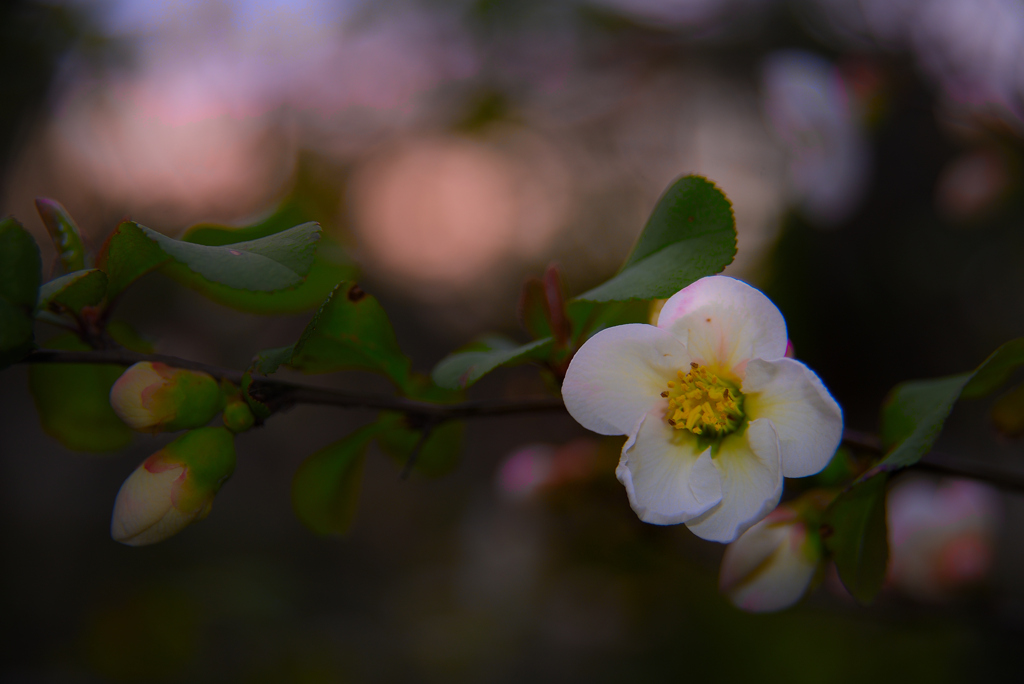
(154, 397)
(238, 416)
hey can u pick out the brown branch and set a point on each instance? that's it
(281, 395)
(125, 357)
(943, 464)
(410, 462)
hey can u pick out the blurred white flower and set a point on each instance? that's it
(970, 48)
(807, 104)
(535, 467)
(941, 535)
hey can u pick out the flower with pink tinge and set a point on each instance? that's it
(174, 487)
(714, 412)
(941, 536)
(771, 565)
(153, 397)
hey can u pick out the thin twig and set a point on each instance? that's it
(125, 357)
(410, 462)
(973, 470)
(943, 464)
(282, 394)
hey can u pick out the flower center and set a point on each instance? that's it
(703, 403)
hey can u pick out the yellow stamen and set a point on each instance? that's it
(703, 403)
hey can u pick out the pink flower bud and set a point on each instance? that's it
(154, 397)
(174, 487)
(771, 565)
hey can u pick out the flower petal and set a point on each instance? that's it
(668, 479)
(754, 548)
(130, 394)
(725, 322)
(173, 522)
(143, 501)
(807, 419)
(769, 567)
(619, 374)
(751, 483)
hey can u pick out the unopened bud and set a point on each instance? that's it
(238, 416)
(771, 565)
(174, 487)
(154, 397)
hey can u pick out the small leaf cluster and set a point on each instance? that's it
(691, 233)
(273, 266)
(284, 264)
(268, 267)
(692, 228)
(854, 526)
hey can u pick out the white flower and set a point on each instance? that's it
(715, 413)
(771, 565)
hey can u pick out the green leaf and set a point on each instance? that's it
(914, 412)
(269, 360)
(691, 234)
(855, 532)
(20, 275)
(64, 233)
(74, 291)
(331, 265)
(287, 215)
(325, 490)
(329, 268)
(534, 311)
(274, 262)
(127, 337)
(127, 255)
(259, 409)
(469, 364)
(73, 401)
(589, 318)
(996, 369)
(462, 369)
(15, 334)
(440, 453)
(1008, 412)
(350, 331)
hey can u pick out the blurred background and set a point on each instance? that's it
(873, 152)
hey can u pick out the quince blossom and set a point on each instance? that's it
(715, 413)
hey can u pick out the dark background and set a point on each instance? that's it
(456, 148)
